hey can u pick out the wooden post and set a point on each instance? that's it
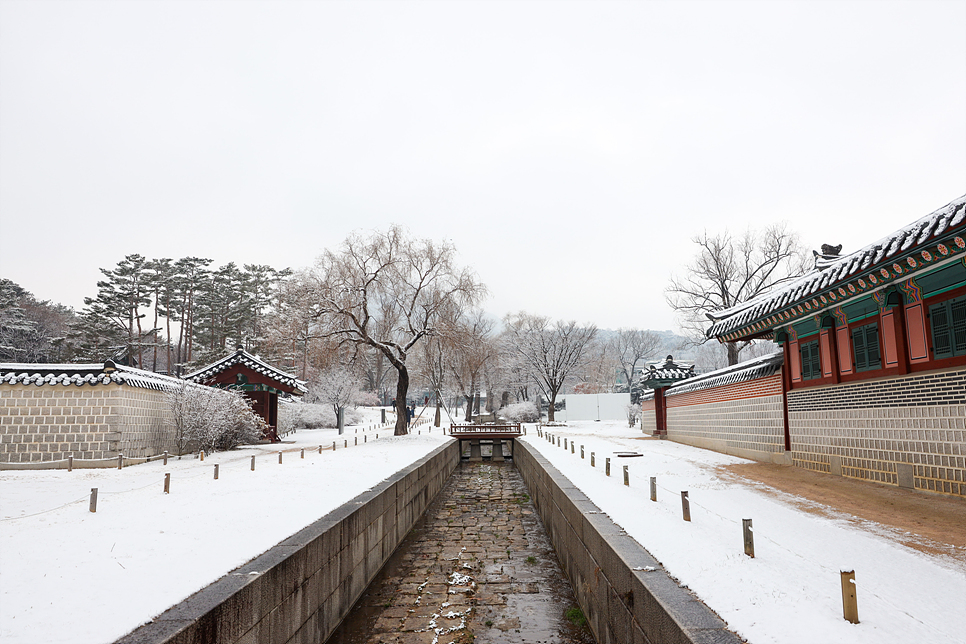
(167, 483)
(333, 446)
(565, 444)
(165, 457)
(345, 443)
(202, 455)
(850, 606)
(120, 461)
(607, 466)
(93, 499)
(302, 455)
(571, 447)
(581, 451)
(749, 537)
(320, 449)
(216, 471)
(253, 463)
(280, 458)
(654, 488)
(627, 477)
(365, 438)
(685, 505)
(357, 440)
(70, 463)
(592, 463)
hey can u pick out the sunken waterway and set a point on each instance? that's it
(477, 567)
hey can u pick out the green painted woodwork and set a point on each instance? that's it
(860, 309)
(811, 365)
(948, 322)
(948, 277)
(806, 327)
(865, 345)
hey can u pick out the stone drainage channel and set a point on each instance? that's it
(477, 567)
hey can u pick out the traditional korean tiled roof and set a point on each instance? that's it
(936, 238)
(84, 374)
(665, 373)
(254, 363)
(743, 371)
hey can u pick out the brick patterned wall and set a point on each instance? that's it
(751, 427)
(47, 423)
(768, 386)
(877, 430)
(144, 422)
(648, 419)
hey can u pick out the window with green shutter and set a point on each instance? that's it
(865, 347)
(811, 365)
(948, 322)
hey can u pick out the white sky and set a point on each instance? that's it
(569, 149)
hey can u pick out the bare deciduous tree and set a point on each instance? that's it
(389, 292)
(551, 352)
(632, 346)
(729, 271)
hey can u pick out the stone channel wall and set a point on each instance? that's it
(300, 590)
(621, 605)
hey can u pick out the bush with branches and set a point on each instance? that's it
(215, 419)
(521, 412)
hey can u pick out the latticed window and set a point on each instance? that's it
(948, 322)
(811, 365)
(865, 346)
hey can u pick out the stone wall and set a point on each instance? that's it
(908, 431)
(300, 590)
(743, 419)
(622, 605)
(50, 422)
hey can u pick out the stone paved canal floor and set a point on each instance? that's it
(478, 567)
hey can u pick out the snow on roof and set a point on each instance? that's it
(84, 374)
(860, 266)
(252, 362)
(741, 372)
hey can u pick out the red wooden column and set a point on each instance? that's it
(660, 411)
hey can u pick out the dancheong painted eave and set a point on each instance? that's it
(936, 238)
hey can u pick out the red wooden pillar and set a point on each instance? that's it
(786, 386)
(660, 412)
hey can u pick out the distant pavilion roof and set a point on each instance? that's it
(666, 374)
(242, 357)
(934, 239)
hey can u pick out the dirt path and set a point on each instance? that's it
(931, 523)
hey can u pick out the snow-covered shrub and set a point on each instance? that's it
(366, 399)
(633, 414)
(299, 415)
(216, 419)
(521, 412)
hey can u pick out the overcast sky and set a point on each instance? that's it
(569, 150)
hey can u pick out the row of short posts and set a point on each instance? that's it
(850, 608)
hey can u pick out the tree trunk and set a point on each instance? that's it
(553, 402)
(402, 389)
(437, 419)
(733, 350)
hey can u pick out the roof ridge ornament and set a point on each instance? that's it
(829, 255)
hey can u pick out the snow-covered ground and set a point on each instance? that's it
(790, 592)
(67, 575)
